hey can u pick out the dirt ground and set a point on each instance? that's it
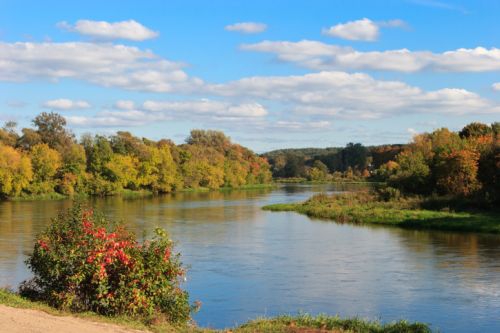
(13, 320)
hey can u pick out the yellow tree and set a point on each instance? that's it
(123, 170)
(45, 162)
(15, 171)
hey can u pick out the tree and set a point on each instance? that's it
(123, 170)
(15, 171)
(295, 166)
(412, 174)
(52, 130)
(475, 130)
(8, 135)
(457, 173)
(319, 171)
(29, 139)
(45, 162)
(202, 167)
(354, 156)
(99, 153)
(209, 138)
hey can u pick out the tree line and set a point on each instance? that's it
(462, 164)
(354, 161)
(49, 159)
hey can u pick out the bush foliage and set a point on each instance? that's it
(83, 262)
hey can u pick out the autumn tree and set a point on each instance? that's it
(45, 162)
(52, 130)
(475, 130)
(15, 171)
(8, 134)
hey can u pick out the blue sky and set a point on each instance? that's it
(271, 74)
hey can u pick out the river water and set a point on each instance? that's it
(245, 262)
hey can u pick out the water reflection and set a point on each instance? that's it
(246, 262)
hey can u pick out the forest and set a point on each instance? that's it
(48, 159)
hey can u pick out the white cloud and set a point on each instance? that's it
(247, 27)
(412, 131)
(207, 111)
(104, 64)
(207, 108)
(66, 104)
(131, 30)
(125, 105)
(328, 95)
(321, 56)
(496, 86)
(364, 29)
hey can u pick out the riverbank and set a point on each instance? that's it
(20, 315)
(301, 180)
(366, 208)
(131, 194)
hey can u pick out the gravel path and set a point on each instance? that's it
(13, 320)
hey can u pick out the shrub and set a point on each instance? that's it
(83, 262)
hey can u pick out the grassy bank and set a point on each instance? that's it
(126, 193)
(364, 207)
(300, 180)
(300, 323)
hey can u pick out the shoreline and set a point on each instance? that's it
(12, 305)
(135, 194)
(350, 208)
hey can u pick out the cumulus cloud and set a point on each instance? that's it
(104, 64)
(66, 104)
(205, 107)
(496, 86)
(321, 56)
(353, 96)
(205, 110)
(364, 29)
(131, 30)
(247, 27)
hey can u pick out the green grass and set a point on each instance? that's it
(131, 194)
(323, 323)
(299, 180)
(363, 207)
(300, 323)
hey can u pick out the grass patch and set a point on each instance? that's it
(364, 207)
(290, 324)
(323, 323)
(36, 197)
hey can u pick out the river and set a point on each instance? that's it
(244, 262)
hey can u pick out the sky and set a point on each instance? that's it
(270, 74)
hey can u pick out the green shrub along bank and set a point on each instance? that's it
(48, 162)
(371, 207)
(82, 262)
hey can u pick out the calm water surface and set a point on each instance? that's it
(245, 262)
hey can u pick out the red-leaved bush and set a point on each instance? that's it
(83, 262)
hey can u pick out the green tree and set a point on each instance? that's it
(412, 174)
